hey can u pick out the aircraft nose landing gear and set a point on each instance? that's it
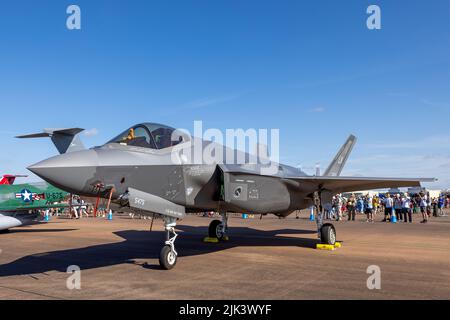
(168, 256)
(218, 229)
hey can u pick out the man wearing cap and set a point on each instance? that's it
(406, 208)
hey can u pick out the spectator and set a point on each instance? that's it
(388, 205)
(406, 208)
(423, 208)
(369, 208)
(398, 207)
(351, 208)
(376, 204)
(441, 203)
(327, 207)
(428, 198)
(339, 205)
(360, 207)
(83, 208)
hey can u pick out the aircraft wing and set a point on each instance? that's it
(350, 184)
(42, 207)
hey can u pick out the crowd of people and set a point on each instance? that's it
(400, 206)
(76, 209)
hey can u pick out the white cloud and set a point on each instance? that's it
(210, 101)
(91, 132)
(318, 110)
(430, 103)
(399, 94)
(433, 142)
(403, 166)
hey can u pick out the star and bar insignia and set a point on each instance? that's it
(28, 196)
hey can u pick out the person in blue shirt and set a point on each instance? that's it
(360, 205)
(441, 204)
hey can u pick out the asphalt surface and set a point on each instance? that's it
(265, 259)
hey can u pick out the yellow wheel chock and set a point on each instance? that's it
(329, 247)
(215, 240)
(211, 240)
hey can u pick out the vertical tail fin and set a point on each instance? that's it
(9, 179)
(65, 140)
(338, 163)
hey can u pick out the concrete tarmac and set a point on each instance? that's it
(265, 259)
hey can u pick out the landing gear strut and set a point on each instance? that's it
(326, 232)
(219, 228)
(168, 255)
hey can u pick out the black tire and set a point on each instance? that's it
(213, 230)
(167, 258)
(328, 234)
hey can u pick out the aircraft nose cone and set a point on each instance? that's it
(70, 172)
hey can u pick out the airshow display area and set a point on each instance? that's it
(226, 217)
(224, 159)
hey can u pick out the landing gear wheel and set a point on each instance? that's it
(328, 234)
(216, 230)
(167, 258)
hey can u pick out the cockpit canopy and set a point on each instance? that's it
(149, 135)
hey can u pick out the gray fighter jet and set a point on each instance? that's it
(150, 169)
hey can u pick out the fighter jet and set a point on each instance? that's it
(20, 203)
(149, 168)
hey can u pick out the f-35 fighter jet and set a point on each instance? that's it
(152, 169)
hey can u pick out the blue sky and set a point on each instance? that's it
(309, 68)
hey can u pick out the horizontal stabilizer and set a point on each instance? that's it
(65, 140)
(151, 203)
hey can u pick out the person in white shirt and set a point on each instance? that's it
(406, 209)
(83, 209)
(368, 204)
(423, 208)
(388, 205)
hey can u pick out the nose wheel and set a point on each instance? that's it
(215, 229)
(168, 255)
(218, 228)
(167, 258)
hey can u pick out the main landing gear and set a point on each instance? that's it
(168, 255)
(328, 234)
(218, 228)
